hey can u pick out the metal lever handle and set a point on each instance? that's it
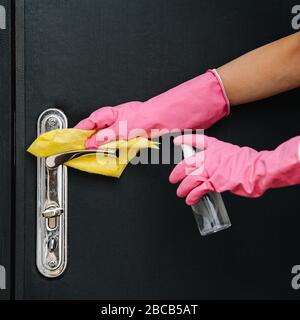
(54, 161)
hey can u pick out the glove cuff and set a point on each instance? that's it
(215, 73)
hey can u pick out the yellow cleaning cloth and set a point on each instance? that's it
(63, 140)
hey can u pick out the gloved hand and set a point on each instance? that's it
(244, 171)
(197, 103)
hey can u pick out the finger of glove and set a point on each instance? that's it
(188, 184)
(182, 169)
(101, 137)
(196, 194)
(86, 124)
(99, 119)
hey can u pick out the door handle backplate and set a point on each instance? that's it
(52, 211)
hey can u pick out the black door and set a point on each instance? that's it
(133, 238)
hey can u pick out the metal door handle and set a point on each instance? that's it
(54, 161)
(52, 206)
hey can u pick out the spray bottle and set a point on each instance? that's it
(210, 212)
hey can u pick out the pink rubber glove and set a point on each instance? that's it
(197, 103)
(226, 167)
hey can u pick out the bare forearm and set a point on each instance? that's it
(263, 72)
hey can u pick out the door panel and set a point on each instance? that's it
(133, 238)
